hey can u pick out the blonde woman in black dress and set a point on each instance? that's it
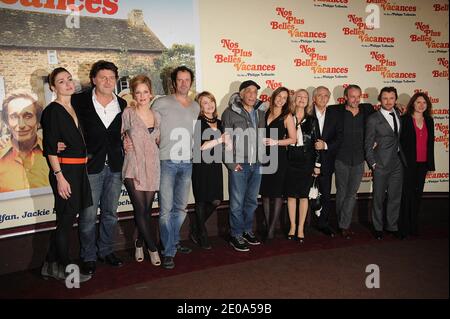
(68, 175)
(303, 163)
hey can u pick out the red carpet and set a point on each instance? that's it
(30, 285)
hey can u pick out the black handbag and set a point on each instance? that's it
(314, 198)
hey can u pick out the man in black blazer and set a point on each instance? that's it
(349, 165)
(385, 157)
(331, 134)
(99, 110)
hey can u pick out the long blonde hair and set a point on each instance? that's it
(308, 107)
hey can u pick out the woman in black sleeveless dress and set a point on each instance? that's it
(207, 176)
(279, 121)
(68, 175)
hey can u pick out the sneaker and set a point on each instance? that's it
(168, 263)
(183, 250)
(251, 239)
(238, 244)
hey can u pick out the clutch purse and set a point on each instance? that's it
(314, 198)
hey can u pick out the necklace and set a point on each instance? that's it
(207, 119)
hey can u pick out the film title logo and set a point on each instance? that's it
(440, 7)
(384, 67)
(367, 176)
(290, 24)
(341, 100)
(440, 114)
(361, 29)
(427, 36)
(273, 85)
(236, 56)
(313, 61)
(441, 73)
(109, 7)
(441, 128)
(436, 177)
(433, 100)
(387, 6)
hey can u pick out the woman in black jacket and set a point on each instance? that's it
(303, 162)
(417, 141)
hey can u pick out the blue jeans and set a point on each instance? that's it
(243, 188)
(106, 187)
(173, 196)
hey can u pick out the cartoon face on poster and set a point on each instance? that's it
(38, 36)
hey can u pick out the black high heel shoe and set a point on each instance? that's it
(301, 240)
(291, 237)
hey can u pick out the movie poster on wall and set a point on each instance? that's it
(304, 44)
(140, 37)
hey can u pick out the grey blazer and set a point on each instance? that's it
(380, 132)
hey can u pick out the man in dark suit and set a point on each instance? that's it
(331, 134)
(99, 110)
(349, 165)
(385, 157)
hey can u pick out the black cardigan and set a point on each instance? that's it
(99, 139)
(408, 141)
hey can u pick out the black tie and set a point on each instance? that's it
(395, 123)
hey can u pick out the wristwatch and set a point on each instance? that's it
(57, 172)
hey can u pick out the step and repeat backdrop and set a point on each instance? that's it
(292, 43)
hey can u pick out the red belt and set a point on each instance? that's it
(72, 160)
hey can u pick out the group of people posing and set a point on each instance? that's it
(94, 142)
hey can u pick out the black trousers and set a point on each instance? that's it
(413, 185)
(325, 191)
(60, 238)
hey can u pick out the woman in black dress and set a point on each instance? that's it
(68, 175)
(417, 140)
(303, 162)
(207, 178)
(278, 120)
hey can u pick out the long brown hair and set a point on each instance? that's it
(52, 76)
(285, 107)
(410, 106)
